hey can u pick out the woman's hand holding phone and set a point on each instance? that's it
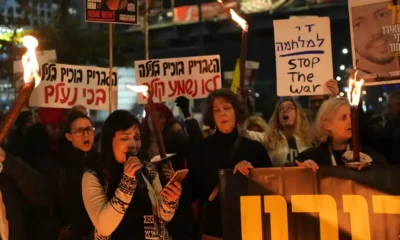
(172, 191)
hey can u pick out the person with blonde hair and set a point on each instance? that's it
(287, 135)
(332, 134)
(256, 124)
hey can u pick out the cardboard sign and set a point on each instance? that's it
(192, 77)
(112, 11)
(297, 203)
(375, 39)
(64, 86)
(303, 56)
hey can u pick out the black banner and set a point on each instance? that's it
(298, 204)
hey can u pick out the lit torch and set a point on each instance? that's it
(154, 118)
(353, 95)
(243, 54)
(31, 79)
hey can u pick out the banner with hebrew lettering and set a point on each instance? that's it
(375, 35)
(192, 77)
(303, 55)
(64, 86)
(296, 203)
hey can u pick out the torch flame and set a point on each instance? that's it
(29, 61)
(141, 88)
(354, 92)
(235, 17)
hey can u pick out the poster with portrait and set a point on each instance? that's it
(112, 11)
(375, 39)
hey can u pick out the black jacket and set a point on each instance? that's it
(69, 203)
(206, 159)
(322, 156)
(22, 186)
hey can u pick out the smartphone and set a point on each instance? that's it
(179, 176)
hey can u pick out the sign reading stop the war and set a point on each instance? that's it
(303, 56)
(167, 79)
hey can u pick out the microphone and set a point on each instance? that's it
(138, 174)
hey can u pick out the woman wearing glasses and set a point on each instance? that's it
(287, 135)
(77, 154)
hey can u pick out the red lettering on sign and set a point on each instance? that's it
(107, 14)
(183, 87)
(157, 88)
(61, 94)
(93, 13)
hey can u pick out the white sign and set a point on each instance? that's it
(48, 56)
(64, 86)
(192, 77)
(303, 56)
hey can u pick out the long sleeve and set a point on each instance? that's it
(167, 209)
(194, 131)
(106, 214)
(34, 186)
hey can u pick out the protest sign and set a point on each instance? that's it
(112, 11)
(303, 56)
(48, 56)
(375, 39)
(192, 77)
(296, 203)
(64, 86)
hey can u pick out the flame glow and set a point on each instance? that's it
(354, 92)
(29, 61)
(235, 17)
(141, 88)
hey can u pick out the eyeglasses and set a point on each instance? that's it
(288, 109)
(81, 131)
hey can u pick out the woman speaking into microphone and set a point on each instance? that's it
(122, 193)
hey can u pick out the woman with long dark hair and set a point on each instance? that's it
(122, 194)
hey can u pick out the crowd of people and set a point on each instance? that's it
(57, 182)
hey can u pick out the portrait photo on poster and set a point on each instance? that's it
(112, 11)
(375, 35)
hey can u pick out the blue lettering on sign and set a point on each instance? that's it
(299, 43)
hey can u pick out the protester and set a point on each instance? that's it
(392, 128)
(43, 139)
(255, 124)
(287, 136)
(332, 134)
(177, 138)
(15, 141)
(76, 154)
(123, 199)
(223, 150)
(20, 185)
(316, 101)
